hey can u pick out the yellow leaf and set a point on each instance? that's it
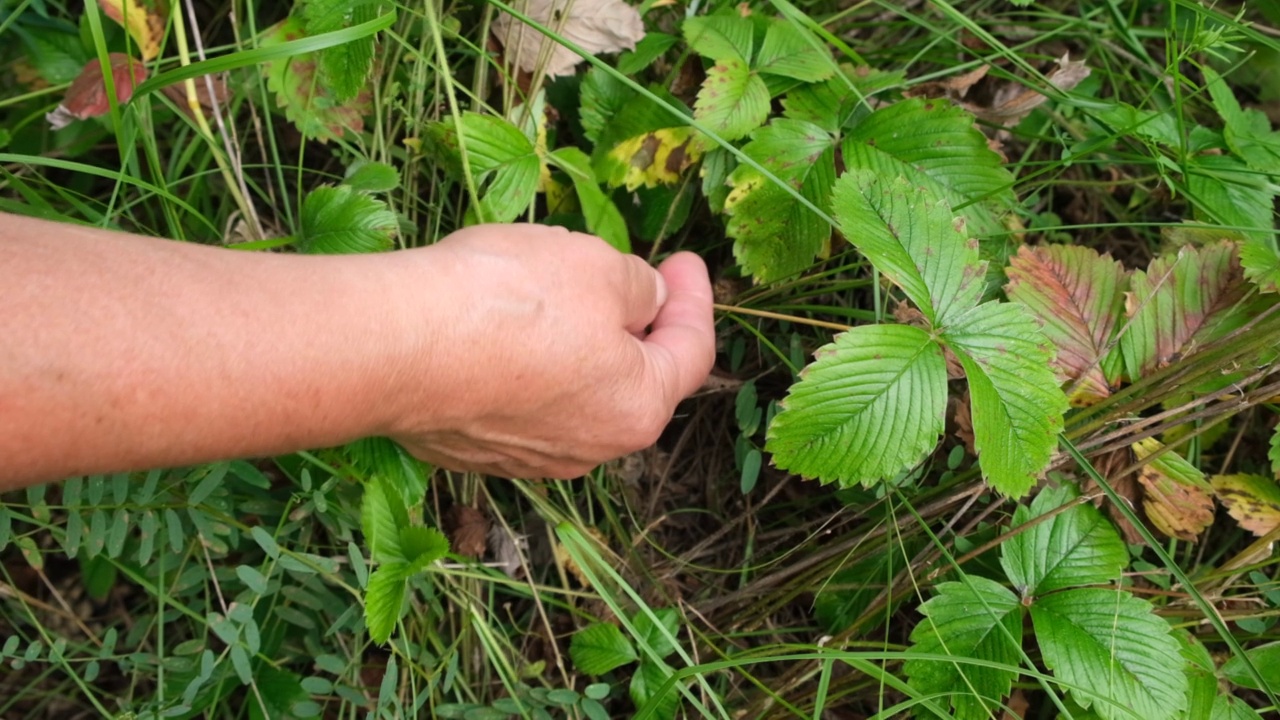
(1254, 501)
(1177, 498)
(653, 159)
(144, 19)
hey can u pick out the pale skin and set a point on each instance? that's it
(514, 350)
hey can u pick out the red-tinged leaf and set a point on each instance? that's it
(87, 96)
(1181, 303)
(303, 97)
(1076, 295)
(1178, 500)
(177, 92)
(144, 19)
(1253, 500)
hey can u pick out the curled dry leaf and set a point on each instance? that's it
(596, 26)
(87, 96)
(144, 19)
(210, 90)
(468, 529)
(1178, 500)
(1015, 101)
(1253, 500)
(954, 88)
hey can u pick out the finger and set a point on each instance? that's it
(644, 291)
(683, 341)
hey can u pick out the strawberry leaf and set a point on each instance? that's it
(306, 101)
(869, 407)
(910, 234)
(1075, 547)
(384, 600)
(1178, 500)
(344, 68)
(601, 215)
(1076, 295)
(599, 648)
(720, 37)
(144, 19)
(1115, 646)
(1016, 403)
(733, 100)
(501, 157)
(1253, 500)
(382, 517)
(1181, 303)
(774, 235)
(978, 619)
(341, 220)
(789, 52)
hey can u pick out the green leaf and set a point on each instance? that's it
(383, 600)
(1261, 265)
(646, 682)
(1226, 191)
(496, 151)
(910, 234)
(1015, 400)
(790, 52)
(599, 648)
(340, 220)
(870, 406)
(650, 48)
(733, 100)
(1202, 683)
(649, 634)
(1115, 645)
(264, 540)
(1078, 296)
(602, 216)
(720, 37)
(1226, 707)
(382, 517)
(775, 236)
(212, 481)
(252, 579)
(1181, 303)
(1248, 132)
(1266, 658)
(1274, 452)
(978, 619)
(58, 56)
(344, 68)
(933, 140)
(372, 177)
(602, 97)
(422, 546)
(1075, 547)
(834, 104)
(306, 101)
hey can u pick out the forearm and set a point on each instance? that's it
(122, 352)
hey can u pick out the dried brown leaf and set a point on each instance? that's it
(596, 26)
(1178, 500)
(954, 88)
(1015, 101)
(468, 529)
(177, 92)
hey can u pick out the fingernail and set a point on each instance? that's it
(662, 288)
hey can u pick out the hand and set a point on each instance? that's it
(545, 365)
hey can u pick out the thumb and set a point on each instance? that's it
(683, 341)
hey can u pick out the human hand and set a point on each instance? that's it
(536, 362)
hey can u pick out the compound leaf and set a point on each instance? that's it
(774, 235)
(384, 599)
(497, 152)
(345, 68)
(1076, 295)
(1227, 707)
(642, 144)
(978, 619)
(787, 51)
(382, 517)
(870, 406)
(1181, 303)
(599, 648)
(1075, 547)
(338, 220)
(733, 100)
(1015, 400)
(934, 140)
(910, 234)
(1115, 645)
(421, 547)
(1228, 192)
(1253, 500)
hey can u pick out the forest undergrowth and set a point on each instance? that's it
(992, 431)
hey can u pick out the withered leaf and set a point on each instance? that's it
(1178, 500)
(954, 88)
(1253, 500)
(1182, 302)
(144, 19)
(87, 96)
(468, 530)
(1076, 294)
(177, 92)
(596, 26)
(1015, 101)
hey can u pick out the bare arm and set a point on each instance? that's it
(511, 349)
